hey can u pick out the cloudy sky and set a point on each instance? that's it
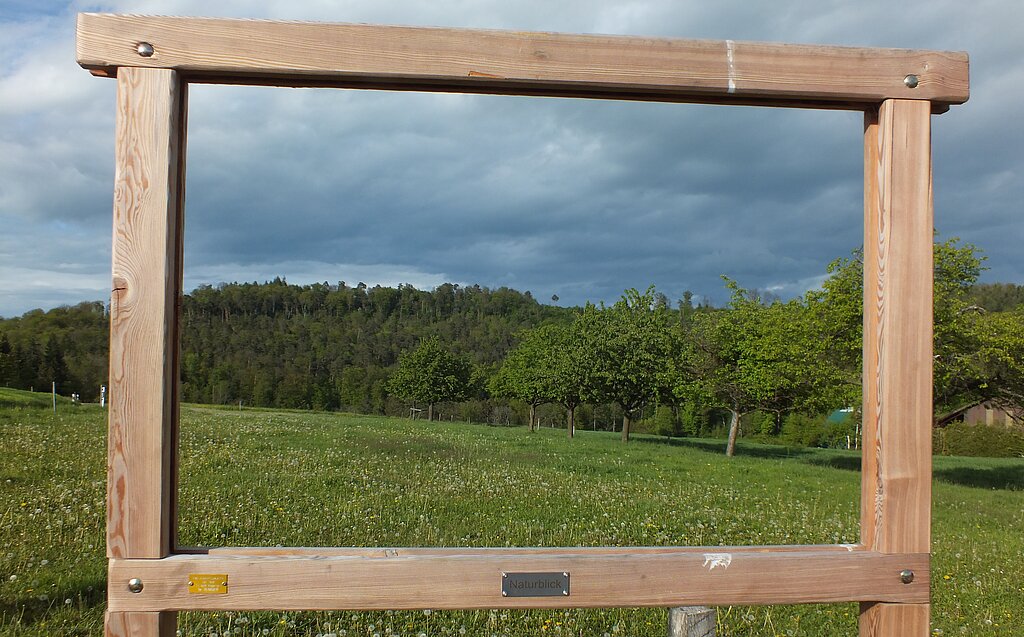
(576, 198)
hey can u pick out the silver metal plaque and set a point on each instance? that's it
(534, 584)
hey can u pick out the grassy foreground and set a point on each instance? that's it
(17, 398)
(299, 478)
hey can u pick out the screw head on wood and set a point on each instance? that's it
(135, 585)
(906, 576)
(911, 81)
(145, 49)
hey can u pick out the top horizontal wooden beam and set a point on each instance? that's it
(520, 63)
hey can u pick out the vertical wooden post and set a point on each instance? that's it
(692, 621)
(133, 624)
(898, 286)
(144, 329)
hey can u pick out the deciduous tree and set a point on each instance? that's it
(571, 363)
(974, 359)
(743, 358)
(528, 372)
(431, 373)
(632, 346)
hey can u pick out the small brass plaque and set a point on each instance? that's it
(207, 584)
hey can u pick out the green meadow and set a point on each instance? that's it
(18, 399)
(260, 477)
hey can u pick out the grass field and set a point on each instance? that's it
(16, 398)
(299, 478)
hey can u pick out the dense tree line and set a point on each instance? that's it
(997, 297)
(499, 355)
(325, 346)
(334, 346)
(66, 345)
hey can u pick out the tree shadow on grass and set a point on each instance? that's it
(849, 463)
(807, 455)
(717, 447)
(1008, 478)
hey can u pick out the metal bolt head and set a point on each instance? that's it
(135, 585)
(911, 81)
(906, 576)
(145, 49)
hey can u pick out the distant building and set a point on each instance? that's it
(989, 414)
(983, 413)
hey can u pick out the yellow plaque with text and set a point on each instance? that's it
(207, 584)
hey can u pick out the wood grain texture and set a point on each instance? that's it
(413, 551)
(140, 624)
(897, 407)
(683, 578)
(872, 317)
(144, 313)
(894, 620)
(896, 513)
(520, 63)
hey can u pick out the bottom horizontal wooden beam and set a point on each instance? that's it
(305, 580)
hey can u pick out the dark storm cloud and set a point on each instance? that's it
(578, 198)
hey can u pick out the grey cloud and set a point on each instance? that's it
(582, 198)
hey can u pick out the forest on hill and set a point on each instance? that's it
(277, 344)
(336, 346)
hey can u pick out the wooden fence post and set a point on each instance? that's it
(141, 624)
(692, 621)
(144, 330)
(898, 288)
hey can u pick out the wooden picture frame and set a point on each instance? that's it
(155, 59)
